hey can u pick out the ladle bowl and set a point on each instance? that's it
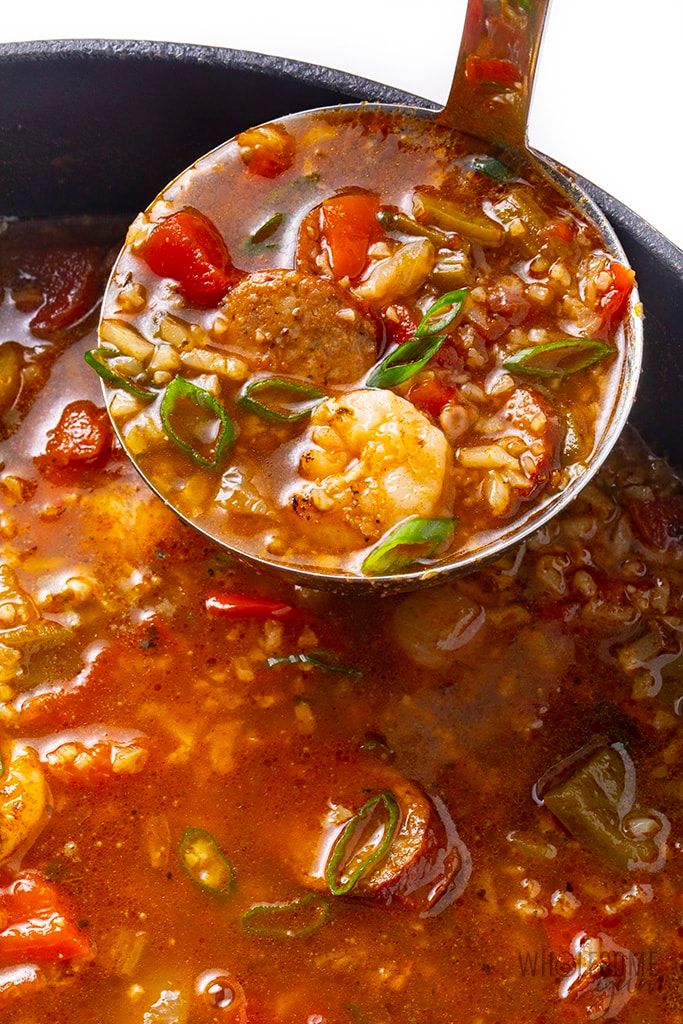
(493, 119)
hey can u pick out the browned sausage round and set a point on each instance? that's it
(426, 866)
(300, 325)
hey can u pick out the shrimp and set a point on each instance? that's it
(370, 459)
(25, 799)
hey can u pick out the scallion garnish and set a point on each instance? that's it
(96, 359)
(525, 5)
(204, 862)
(557, 358)
(431, 324)
(289, 402)
(347, 863)
(295, 919)
(404, 362)
(326, 660)
(492, 168)
(410, 357)
(181, 390)
(267, 229)
(412, 541)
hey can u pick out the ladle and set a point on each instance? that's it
(489, 99)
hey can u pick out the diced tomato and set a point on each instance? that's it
(561, 229)
(70, 281)
(267, 151)
(350, 227)
(659, 524)
(490, 69)
(614, 301)
(228, 605)
(82, 436)
(431, 396)
(402, 328)
(36, 924)
(189, 248)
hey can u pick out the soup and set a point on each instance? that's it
(226, 800)
(379, 349)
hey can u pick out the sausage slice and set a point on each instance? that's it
(426, 865)
(309, 327)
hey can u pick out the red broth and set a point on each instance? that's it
(185, 742)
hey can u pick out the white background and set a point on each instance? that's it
(609, 92)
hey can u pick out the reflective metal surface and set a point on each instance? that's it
(548, 507)
(496, 112)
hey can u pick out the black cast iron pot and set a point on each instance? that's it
(101, 126)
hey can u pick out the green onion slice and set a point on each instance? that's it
(198, 429)
(492, 168)
(295, 919)
(410, 357)
(267, 229)
(351, 858)
(557, 358)
(412, 541)
(280, 400)
(431, 324)
(525, 5)
(326, 660)
(404, 362)
(96, 359)
(205, 864)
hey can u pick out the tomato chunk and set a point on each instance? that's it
(431, 396)
(36, 924)
(189, 248)
(238, 606)
(561, 229)
(83, 436)
(350, 226)
(490, 69)
(70, 281)
(659, 524)
(614, 301)
(402, 328)
(267, 151)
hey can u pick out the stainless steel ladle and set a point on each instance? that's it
(499, 118)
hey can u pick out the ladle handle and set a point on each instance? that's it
(491, 90)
